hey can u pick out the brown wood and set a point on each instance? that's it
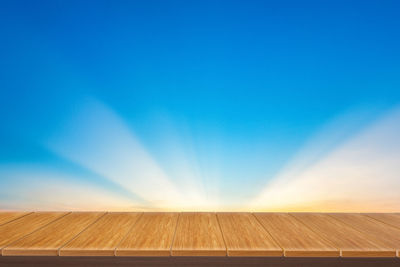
(245, 236)
(152, 235)
(392, 219)
(376, 230)
(295, 238)
(351, 242)
(102, 237)
(14, 230)
(6, 217)
(47, 240)
(198, 234)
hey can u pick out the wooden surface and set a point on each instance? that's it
(390, 219)
(296, 239)
(199, 235)
(351, 242)
(245, 236)
(152, 235)
(14, 230)
(46, 241)
(386, 234)
(6, 217)
(102, 237)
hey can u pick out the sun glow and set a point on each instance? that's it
(43, 188)
(361, 174)
(335, 171)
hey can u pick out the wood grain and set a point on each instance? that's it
(198, 234)
(351, 242)
(245, 236)
(295, 238)
(392, 219)
(14, 230)
(152, 235)
(47, 240)
(102, 237)
(384, 233)
(8, 216)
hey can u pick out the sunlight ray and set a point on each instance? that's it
(178, 151)
(97, 139)
(362, 174)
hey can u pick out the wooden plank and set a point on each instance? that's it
(198, 234)
(102, 237)
(152, 235)
(351, 242)
(245, 236)
(384, 233)
(9, 216)
(23, 226)
(392, 219)
(295, 238)
(47, 240)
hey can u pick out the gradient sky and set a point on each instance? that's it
(202, 102)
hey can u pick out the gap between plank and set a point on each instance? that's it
(351, 226)
(310, 228)
(223, 237)
(17, 218)
(381, 221)
(129, 231)
(58, 250)
(1, 249)
(276, 241)
(173, 238)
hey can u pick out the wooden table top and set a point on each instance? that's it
(159, 234)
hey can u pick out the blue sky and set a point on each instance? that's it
(233, 89)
